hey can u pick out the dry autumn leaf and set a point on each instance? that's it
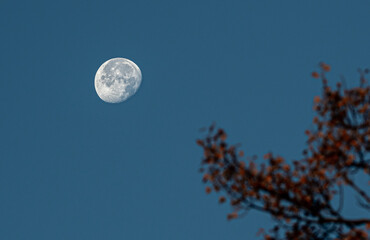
(315, 75)
(299, 194)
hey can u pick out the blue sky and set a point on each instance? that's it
(75, 167)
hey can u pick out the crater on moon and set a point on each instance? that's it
(117, 79)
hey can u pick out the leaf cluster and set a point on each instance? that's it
(299, 195)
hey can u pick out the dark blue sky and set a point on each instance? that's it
(75, 167)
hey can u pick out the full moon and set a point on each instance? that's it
(117, 79)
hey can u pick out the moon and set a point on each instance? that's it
(117, 79)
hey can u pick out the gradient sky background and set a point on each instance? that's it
(75, 167)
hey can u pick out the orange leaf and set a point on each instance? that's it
(223, 136)
(232, 215)
(200, 143)
(206, 177)
(315, 75)
(368, 226)
(222, 199)
(267, 237)
(303, 180)
(208, 190)
(286, 167)
(325, 67)
(315, 120)
(316, 99)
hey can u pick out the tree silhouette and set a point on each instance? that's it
(301, 195)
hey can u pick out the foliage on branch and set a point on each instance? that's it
(299, 195)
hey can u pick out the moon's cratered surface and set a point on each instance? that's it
(117, 79)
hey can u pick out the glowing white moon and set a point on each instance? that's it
(117, 79)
